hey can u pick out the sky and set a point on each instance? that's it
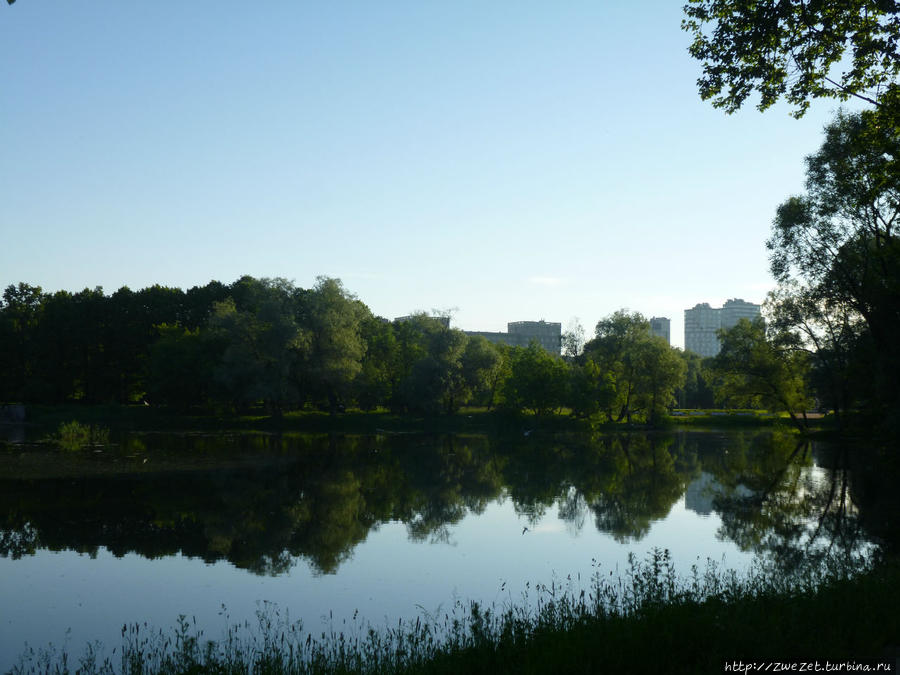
(506, 161)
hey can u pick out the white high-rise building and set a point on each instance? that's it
(660, 326)
(700, 326)
(702, 322)
(737, 309)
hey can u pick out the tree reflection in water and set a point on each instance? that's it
(789, 500)
(263, 501)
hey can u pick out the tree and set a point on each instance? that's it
(58, 342)
(332, 319)
(644, 370)
(790, 49)
(181, 366)
(436, 382)
(661, 372)
(261, 345)
(573, 339)
(696, 392)
(753, 370)
(481, 364)
(834, 338)
(20, 310)
(590, 389)
(374, 383)
(436, 370)
(836, 254)
(537, 381)
(95, 381)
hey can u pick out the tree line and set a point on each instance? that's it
(266, 342)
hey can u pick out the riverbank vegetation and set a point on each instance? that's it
(265, 350)
(264, 343)
(695, 624)
(51, 422)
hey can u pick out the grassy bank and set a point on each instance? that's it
(468, 420)
(647, 621)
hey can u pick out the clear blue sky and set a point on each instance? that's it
(514, 160)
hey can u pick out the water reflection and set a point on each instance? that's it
(262, 501)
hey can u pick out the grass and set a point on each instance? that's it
(646, 621)
(467, 420)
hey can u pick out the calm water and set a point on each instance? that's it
(391, 526)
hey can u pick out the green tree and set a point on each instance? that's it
(332, 319)
(792, 48)
(590, 389)
(661, 372)
(132, 318)
(836, 254)
(181, 366)
(754, 370)
(20, 311)
(95, 382)
(537, 381)
(435, 376)
(696, 391)
(262, 345)
(481, 368)
(643, 369)
(573, 339)
(198, 304)
(613, 349)
(835, 339)
(375, 381)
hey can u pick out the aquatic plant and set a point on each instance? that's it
(693, 621)
(76, 436)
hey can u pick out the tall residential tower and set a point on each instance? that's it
(702, 322)
(660, 326)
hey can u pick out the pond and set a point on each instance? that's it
(346, 530)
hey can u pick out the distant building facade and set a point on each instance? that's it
(737, 309)
(702, 322)
(520, 334)
(700, 325)
(660, 326)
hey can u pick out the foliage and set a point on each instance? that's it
(791, 48)
(76, 436)
(262, 344)
(696, 391)
(265, 345)
(573, 339)
(181, 366)
(755, 370)
(537, 380)
(644, 371)
(834, 250)
(481, 369)
(590, 389)
(375, 383)
(332, 317)
(430, 373)
(836, 256)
